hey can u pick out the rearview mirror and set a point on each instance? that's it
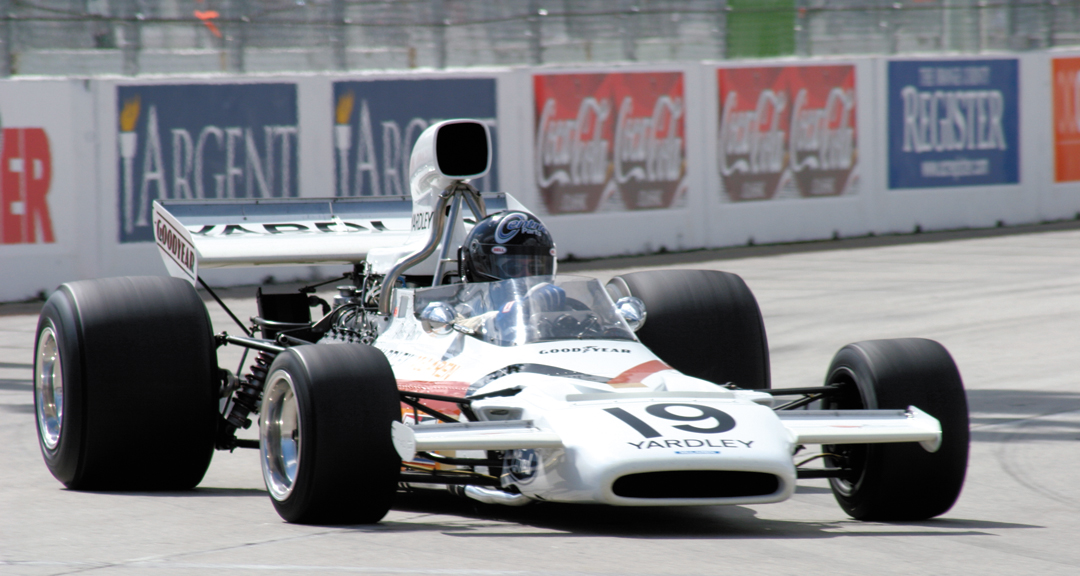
(437, 318)
(632, 309)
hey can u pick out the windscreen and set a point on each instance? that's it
(531, 309)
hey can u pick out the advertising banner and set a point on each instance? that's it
(953, 123)
(203, 141)
(787, 132)
(610, 141)
(25, 178)
(1066, 100)
(376, 123)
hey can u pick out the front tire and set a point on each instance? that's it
(325, 446)
(703, 323)
(903, 481)
(124, 390)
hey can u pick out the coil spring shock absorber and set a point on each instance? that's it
(249, 394)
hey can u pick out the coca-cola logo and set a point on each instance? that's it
(798, 138)
(649, 148)
(753, 137)
(574, 150)
(609, 141)
(822, 138)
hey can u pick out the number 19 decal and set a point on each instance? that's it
(720, 420)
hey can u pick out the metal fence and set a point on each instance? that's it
(88, 37)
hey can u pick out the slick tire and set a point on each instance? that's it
(903, 481)
(325, 443)
(703, 323)
(125, 396)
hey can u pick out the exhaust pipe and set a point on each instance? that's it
(489, 496)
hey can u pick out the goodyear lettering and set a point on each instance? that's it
(585, 349)
(692, 443)
(175, 245)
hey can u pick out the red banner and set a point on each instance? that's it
(787, 129)
(1066, 119)
(25, 176)
(610, 141)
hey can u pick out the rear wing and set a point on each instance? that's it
(392, 233)
(193, 234)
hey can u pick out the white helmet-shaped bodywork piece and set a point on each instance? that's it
(447, 152)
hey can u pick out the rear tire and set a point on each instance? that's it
(703, 323)
(325, 446)
(901, 481)
(124, 391)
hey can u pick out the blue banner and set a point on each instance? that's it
(376, 123)
(203, 141)
(953, 123)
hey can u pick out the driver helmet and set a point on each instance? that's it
(510, 244)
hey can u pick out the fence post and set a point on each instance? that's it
(7, 38)
(535, 28)
(132, 37)
(629, 21)
(721, 28)
(235, 35)
(438, 9)
(894, 27)
(802, 29)
(1051, 23)
(339, 41)
(1014, 41)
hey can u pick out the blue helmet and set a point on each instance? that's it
(509, 244)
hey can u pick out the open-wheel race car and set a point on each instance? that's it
(455, 358)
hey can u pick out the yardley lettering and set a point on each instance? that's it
(585, 349)
(561, 145)
(328, 227)
(755, 134)
(691, 443)
(953, 120)
(639, 140)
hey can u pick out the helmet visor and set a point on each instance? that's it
(518, 261)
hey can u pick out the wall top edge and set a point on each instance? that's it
(542, 69)
(252, 77)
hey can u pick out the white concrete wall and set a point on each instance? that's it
(80, 119)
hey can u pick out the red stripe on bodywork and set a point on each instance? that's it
(640, 372)
(457, 389)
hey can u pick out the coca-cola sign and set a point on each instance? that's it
(787, 130)
(610, 141)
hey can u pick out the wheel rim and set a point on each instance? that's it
(49, 389)
(851, 455)
(280, 435)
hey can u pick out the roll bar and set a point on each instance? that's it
(442, 230)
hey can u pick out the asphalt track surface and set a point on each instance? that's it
(1007, 307)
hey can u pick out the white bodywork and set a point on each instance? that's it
(563, 414)
(582, 418)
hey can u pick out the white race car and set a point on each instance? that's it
(653, 389)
